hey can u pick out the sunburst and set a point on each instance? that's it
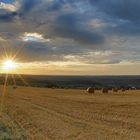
(10, 67)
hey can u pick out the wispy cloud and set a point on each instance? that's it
(33, 37)
(10, 7)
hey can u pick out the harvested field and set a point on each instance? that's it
(65, 114)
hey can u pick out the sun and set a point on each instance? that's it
(9, 65)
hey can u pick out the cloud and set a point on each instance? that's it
(1, 39)
(68, 26)
(73, 30)
(8, 16)
(33, 37)
(122, 17)
(120, 9)
(9, 7)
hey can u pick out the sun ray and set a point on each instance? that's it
(14, 81)
(17, 52)
(9, 66)
(23, 80)
(3, 92)
(5, 51)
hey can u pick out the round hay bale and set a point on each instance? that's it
(14, 87)
(115, 90)
(123, 89)
(91, 90)
(105, 90)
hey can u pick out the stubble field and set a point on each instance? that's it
(64, 114)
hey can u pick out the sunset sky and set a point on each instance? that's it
(60, 37)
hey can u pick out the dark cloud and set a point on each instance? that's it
(55, 6)
(8, 16)
(123, 17)
(68, 26)
(127, 10)
(75, 21)
(27, 5)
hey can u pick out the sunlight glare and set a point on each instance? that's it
(9, 65)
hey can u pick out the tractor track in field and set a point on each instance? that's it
(17, 123)
(72, 116)
(72, 120)
(78, 124)
(62, 116)
(28, 134)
